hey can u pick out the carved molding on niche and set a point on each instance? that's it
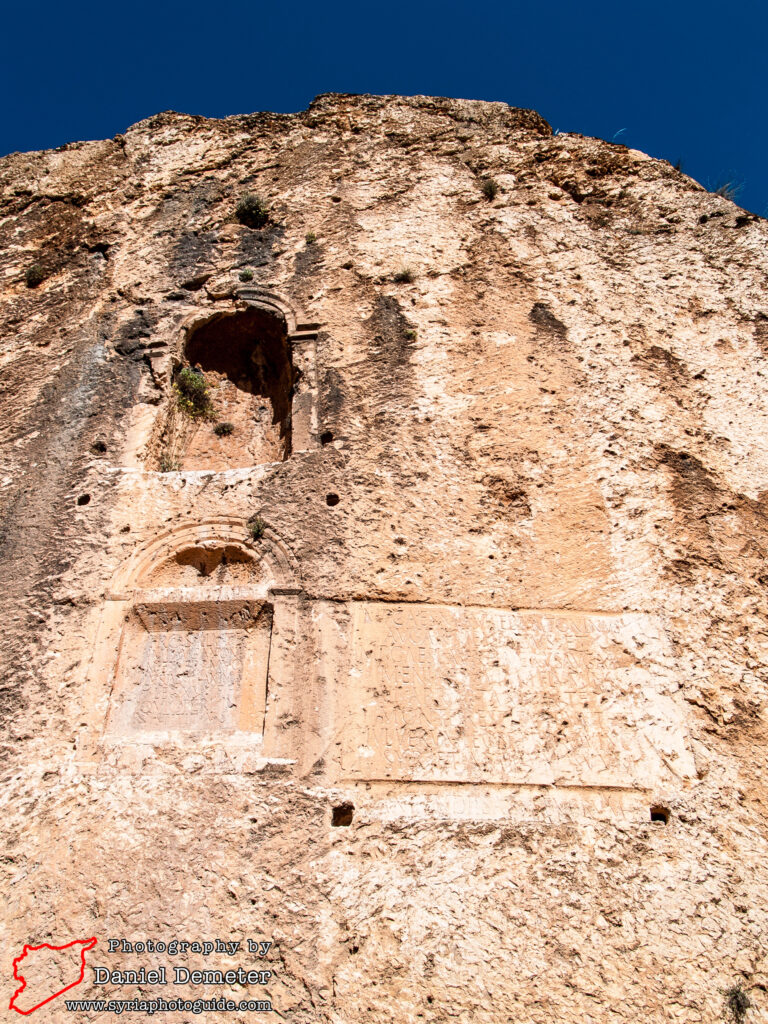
(257, 357)
(185, 637)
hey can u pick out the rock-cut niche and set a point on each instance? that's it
(193, 658)
(238, 369)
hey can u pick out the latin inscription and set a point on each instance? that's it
(192, 668)
(440, 693)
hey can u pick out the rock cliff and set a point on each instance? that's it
(384, 514)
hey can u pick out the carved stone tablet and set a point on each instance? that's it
(448, 694)
(192, 668)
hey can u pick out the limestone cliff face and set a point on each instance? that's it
(374, 576)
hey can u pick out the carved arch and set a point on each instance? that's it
(209, 535)
(271, 302)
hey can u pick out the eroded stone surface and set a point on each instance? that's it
(478, 695)
(396, 672)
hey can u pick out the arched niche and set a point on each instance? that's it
(256, 369)
(191, 618)
(205, 546)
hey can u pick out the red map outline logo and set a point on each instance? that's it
(85, 943)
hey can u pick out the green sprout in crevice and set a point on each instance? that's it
(169, 464)
(256, 527)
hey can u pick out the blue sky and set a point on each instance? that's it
(681, 80)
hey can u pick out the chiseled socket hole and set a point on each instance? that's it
(83, 499)
(98, 447)
(332, 499)
(326, 437)
(659, 813)
(342, 815)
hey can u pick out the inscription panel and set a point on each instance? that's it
(192, 669)
(448, 694)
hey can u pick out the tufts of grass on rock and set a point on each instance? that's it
(404, 276)
(728, 190)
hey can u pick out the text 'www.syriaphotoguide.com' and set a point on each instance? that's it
(159, 1005)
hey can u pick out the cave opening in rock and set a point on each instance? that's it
(245, 358)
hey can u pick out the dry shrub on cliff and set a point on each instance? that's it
(490, 189)
(252, 211)
(738, 1002)
(34, 276)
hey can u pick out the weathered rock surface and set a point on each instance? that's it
(501, 601)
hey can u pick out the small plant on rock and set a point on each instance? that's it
(224, 429)
(252, 211)
(738, 1002)
(192, 392)
(310, 238)
(168, 464)
(410, 334)
(246, 275)
(404, 276)
(490, 189)
(256, 527)
(728, 190)
(34, 276)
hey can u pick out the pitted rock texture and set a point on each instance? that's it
(552, 401)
